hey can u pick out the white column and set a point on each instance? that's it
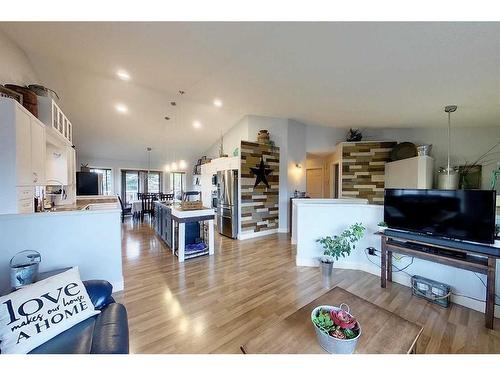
(173, 236)
(182, 240)
(211, 246)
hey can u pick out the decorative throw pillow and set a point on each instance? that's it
(33, 315)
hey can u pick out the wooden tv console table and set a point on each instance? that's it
(481, 259)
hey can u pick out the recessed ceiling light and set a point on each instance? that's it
(182, 164)
(167, 168)
(196, 124)
(123, 75)
(173, 166)
(217, 102)
(122, 108)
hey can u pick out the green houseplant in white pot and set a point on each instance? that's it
(336, 247)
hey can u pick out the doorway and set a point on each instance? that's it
(314, 182)
(334, 177)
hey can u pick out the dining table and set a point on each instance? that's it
(136, 206)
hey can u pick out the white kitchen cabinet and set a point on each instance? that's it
(53, 117)
(60, 164)
(38, 152)
(22, 157)
(411, 173)
(71, 166)
(21, 124)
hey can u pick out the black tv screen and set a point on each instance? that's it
(458, 214)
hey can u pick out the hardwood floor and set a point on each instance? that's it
(215, 304)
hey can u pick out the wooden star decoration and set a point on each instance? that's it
(261, 173)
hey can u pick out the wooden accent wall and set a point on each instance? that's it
(259, 206)
(363, 169)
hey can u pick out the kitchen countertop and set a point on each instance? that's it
(177, 211)
(82, 203)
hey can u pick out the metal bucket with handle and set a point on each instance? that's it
(24, 268)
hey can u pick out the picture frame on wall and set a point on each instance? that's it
(470, 176)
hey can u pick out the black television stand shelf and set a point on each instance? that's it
(482, 259)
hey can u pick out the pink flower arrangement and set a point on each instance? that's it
(342, 319)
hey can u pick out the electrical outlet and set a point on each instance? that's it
(371, 251)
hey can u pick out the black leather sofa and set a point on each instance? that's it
(105, 333)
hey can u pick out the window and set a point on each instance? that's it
(137, 181)
(154, 182)
(177, 183)
(106, 180)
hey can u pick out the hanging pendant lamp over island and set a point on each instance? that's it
(448, 177)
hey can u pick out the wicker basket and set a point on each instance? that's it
(191, 205)
(30, 100)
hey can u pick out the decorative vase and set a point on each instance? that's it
(381, 229)
(331, 344)
(448, 179)
(263, 136)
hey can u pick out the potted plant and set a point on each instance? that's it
(338, 246)
(382, 226)
(336, 329)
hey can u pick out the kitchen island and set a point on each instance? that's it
(189, 233)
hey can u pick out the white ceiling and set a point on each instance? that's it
(333, 74)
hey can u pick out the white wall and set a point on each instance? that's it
(321, 139)
(117, 165)
(467, 143)
(319, 220)
(295, 139)
(232, 139)
(15, 66)
(297, 133)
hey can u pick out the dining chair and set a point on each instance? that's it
(147, 205)
(166, 197)
(126, 209)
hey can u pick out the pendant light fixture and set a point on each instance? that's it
(148, 150)
(448, 177)
(175, 165)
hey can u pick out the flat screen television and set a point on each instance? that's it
(467, 215)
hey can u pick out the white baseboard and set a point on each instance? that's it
(246, 236)
(398, 278)
(282, 230)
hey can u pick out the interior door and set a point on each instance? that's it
(314, 182)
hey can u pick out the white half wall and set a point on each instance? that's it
(90, 240)
(315, 221)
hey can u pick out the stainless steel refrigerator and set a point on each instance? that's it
(227, 203)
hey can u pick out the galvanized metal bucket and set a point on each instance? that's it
(326, 274)
(24, 268)
(331, 344)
